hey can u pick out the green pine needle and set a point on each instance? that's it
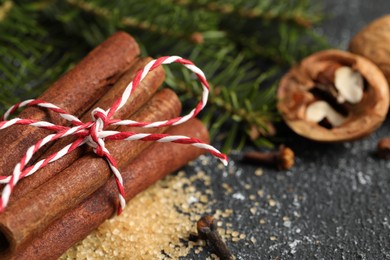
(243, 46)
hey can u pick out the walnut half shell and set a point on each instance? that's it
(373, 42)
(295, 94)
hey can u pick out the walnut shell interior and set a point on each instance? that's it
(363, 118)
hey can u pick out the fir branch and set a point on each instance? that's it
(236, 98)
(262, 12)
(263, 43)
(29, 57)
(285, 47)
(20, 59)
(242, 41)
(132, 22)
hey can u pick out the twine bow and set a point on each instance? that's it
(93, 133)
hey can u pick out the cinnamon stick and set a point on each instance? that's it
(152, 164)
(140, 96)
(75, 92)
(35, 211)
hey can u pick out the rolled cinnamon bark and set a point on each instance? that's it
(75, 92)
(35, 211)
(145, 90)
(151, 165)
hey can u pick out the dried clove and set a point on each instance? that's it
(283, 158)
(208, 231)
(383, 148)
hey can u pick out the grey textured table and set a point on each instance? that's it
(334, 204)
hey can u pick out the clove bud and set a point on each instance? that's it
(383, 148)
(208, 230)
(283, 158)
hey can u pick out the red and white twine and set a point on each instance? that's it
(93, 133)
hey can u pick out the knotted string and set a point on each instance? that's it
(93, 133)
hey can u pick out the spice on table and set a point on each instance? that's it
(155, 162)
(283, 158)
(139, 97)
(76, 91)
(383, 148)
(24, 219)
(208, 230)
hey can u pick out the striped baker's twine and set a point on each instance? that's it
(93, 133)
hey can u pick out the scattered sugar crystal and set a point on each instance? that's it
(253, 210)
(259, 172)
(287, 224)
(238, 196)
(272, 202)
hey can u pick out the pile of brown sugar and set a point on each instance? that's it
(156, 224)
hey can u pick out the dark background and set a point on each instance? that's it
(334, 203)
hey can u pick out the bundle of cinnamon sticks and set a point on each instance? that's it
(63, 202)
